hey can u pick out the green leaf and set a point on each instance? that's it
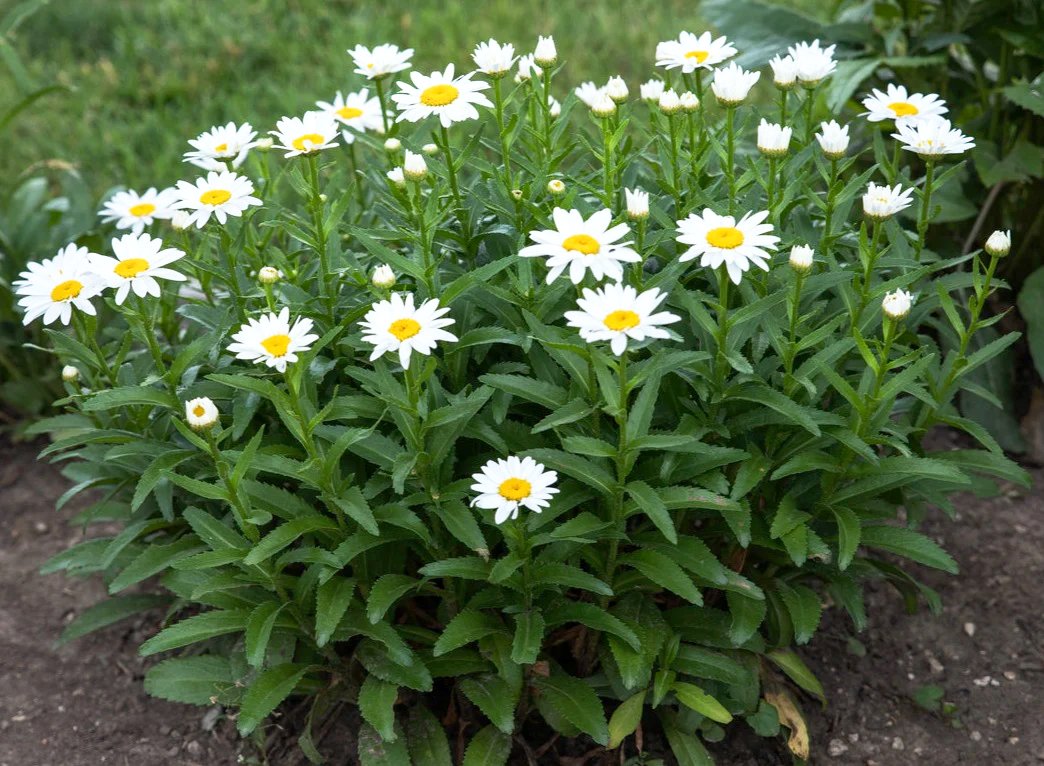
(190, 680)
(377, 706)
(426, 739)
(593, 617)
(625, 719)
(777, 401)
(529, 389)
(354, 505)
(664, 572)
(467, 626)
(197, 628)
(654, 508)
(1028, 95)
(118, 398)
(910, 544)
(215, 533)
(385, 591)
(798, 672)
(285, 534)
(556, 575)
(153, 560)
(489, 747)
(259, 630)
(695, 698)
(577, 703)
(529, 633)
(373, 751)
(332, 599)
(266, 692)
(107, 612)
(495, 697)
(804, 607)
(848, 535)
(747, 615)
(685, 747)
(585, 471)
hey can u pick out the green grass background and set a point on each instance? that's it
(144, 77)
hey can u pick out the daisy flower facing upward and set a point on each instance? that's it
(732, 84)
(355, 111)
(55, 286)
(303, 135)
(220, 144)
(493, 59)
(504, 486)
(882, 202)
(811, 62)
(932, 138)
(272, 341)
(219, 195)
(720, 239)
(451, 99)
(134, 211)
(140, 260)
(617, 312)
(397, 325)
(380, 61)
(896, 104)
(690, 52)
(582, 245)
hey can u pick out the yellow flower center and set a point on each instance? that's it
(131, 267)
(67, 290)
(307, 142)
(700, 56)
(221, 148)
(439, 95)
(349, 112)
(276, 345)
(582, 243)
(215, 197)
(142, 209)
(621, 320)
(725, 237)
(404, 328)
(198, 411)
(903, 108)
(515, 489)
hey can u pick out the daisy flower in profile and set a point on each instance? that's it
(882, 202)
(833, 139)
(732, 84)
(651, 90)
(355, 111)
(55, 286)
(506, 485)
(773, 139)
(493, 59)
(452, 99)
(397, 325)
(303, 135)
(271, 340)
(999, 242)
(690, 52)
(637, 204)
(220, 194)
(896, 104)
(589, 93)
(527, 68)
(721, 239)
(616, 313)
(898, 304)
(380, 61)
(545, 53)
(582, 245)
(932, 138)
(140, 260)
(134, 211)
(811, 62)
(222, 143)
(784, 71)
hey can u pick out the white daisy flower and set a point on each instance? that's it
(651, 90)
(773, 140)
(527, 68)
(383, 277)
(380, 61)
(720, 239)
(688, 101)
(933, 137)
(670, 102)
(732, 84)
(452, 99)
(396, 325)
(603, 106)
(355, 111)
(70, 374)
(690, 52)
(140, 260)
(545, 53)
(801, 258)
(617, 89)
(505, 486)
(589, 93)
(898, 304)
(554, 108)
(413, 166)
(52, 288)
(833, 139)
(896, 104)
(881, 202)
(396, 176)
(637, 204)
(303, 135)
(812, 62)
(229, 142)
(134, 211)
(201, 413)
(616, 313)
(493, 59)
(784, 71)
(392, 145)
(582, 245)
(999, 243)
(220, 194)
(271, 339)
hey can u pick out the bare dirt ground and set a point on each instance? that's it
(82, 704)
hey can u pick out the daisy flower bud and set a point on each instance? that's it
(801, 258)
(669, 102)
(833, 139)
(395, 175)
(180, 220)
(392, 145)
(652, 90)
(269, 275)
(637, 204)
(732, 84)
(556, 186)
(264, 144)
(999, 243)
(545, 53)
(603, 106)
(897, 305)
(430, 149)
(555, 108)
(812, 62)
(784, 72)
(201, 413)
(414, 166)
(773, 140)
(617, 89)
(516, 194)
(383, 277)
(882, 202)
(527, 68)
(689, 102)
(70, 374)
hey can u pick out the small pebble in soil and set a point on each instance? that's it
(1010, 675)
(898, 744)
(969, 628)
(837, 748)
(984, 681)
(976, 736)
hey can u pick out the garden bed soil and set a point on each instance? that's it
(82, 704)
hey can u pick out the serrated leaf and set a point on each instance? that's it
(108, 612)
(266, 692)
(285, 534)
(377, 706)
(798, 672)
(199, 627)
(426, 740)
(664, 572)
(332, 599)
(495, 697)
(386, 590)
(529, 633)
(694, 698)
(910, 544)
(625, 719)
(259, 630)
(577, 703)
(489, 747)
(374, 751)
(467, 626)
(191, 680)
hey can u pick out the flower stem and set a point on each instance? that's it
(607, 163)
(505, 154)
(868, 270)
(379, 84)
(722, 337)
(771, 185)
(451, 171)
(926, 206)
(730, 155)
(828, 221)
(795, 313)
(783, 93)
(620, 460)
(316, 205)
(810, 101)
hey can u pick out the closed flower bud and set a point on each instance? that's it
(180, 220)
(555, 108)
(689, 102)
(395, 175)
(269, 275)
(430, 149)
(414, 166)
(516, 194)
(999, 243)
(784, 72)
(897, 305)
(833, 139)
(801, 258)
(201, 413)
(383, 277)
(652, 90)
(70, 374)
(637, 204)
(264, 144)
(773, 140)
(545, 54)
(603, 106)
(527, 68)
(617, 89)
(555, 186)
(392, 145)
(669, 102)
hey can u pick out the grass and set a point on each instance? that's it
(142, 78)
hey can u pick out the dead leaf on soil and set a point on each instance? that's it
(791, 717)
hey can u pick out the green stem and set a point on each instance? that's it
(546, 104)
(621, 458)
(771, 185)
(379, 84)
(87, 334)
(926, 206)
(672, 129)
(722, 336)
(828, 221)
(795, 313)
(730, 156)
(148, 330)
(505, 154)
(451, 172)
(607, 163)
(783, 93)
(868, 270)
(810, 101)
(316, 205)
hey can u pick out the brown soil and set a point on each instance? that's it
(82, 704)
